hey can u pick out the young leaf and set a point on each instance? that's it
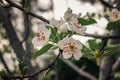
(108, 50)
(87, 52)
(42, 50)
(107, 53)
(88, 21)
(112, 47)
(113, 25)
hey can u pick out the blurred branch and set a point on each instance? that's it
(26, 22)
(27, 11)
(27, 29)
(38, 72)
(78, 70)
(4, 63)
(105, 3)
(102, 36)
(106, 68)
(12, 36)
(116, 66)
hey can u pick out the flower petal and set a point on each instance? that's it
(66, 55)
(78, 28)
(77, 55)
(57, 23)
(63, 28)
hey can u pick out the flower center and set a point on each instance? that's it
(70, 47)
(41, 36)
(116, 16)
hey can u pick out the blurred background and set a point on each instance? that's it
(24, 28)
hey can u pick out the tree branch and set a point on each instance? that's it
(78, 70)
(116, 66)
(105, 3)
(38, 72)
(102, 36)
(27, 29)
(26, 11)
(12, 36)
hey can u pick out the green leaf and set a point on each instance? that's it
(21, 66)
(27, 4)
(107, 53)
(2, 72)
(113, 25)
(112, 47)
(109, 50)
(88, 21)
(25, 69)
(87, 52)
(42, 50)
(62, 35)
(93, 44)
(54, 35)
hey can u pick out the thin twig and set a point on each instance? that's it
(40, 71)
(78, 70)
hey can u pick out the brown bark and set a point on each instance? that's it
(107, 63)
(12, 36)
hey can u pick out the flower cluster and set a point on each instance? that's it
(70, 22)
(68, 45)
(115, 15)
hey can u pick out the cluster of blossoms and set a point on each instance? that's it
(69, 46)
(115, 15)
(70, 22)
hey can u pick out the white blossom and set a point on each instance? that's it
(115, 15)
(72, 20)
(43, 36)
(60, 24)
(78, 28)
(70, 47)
